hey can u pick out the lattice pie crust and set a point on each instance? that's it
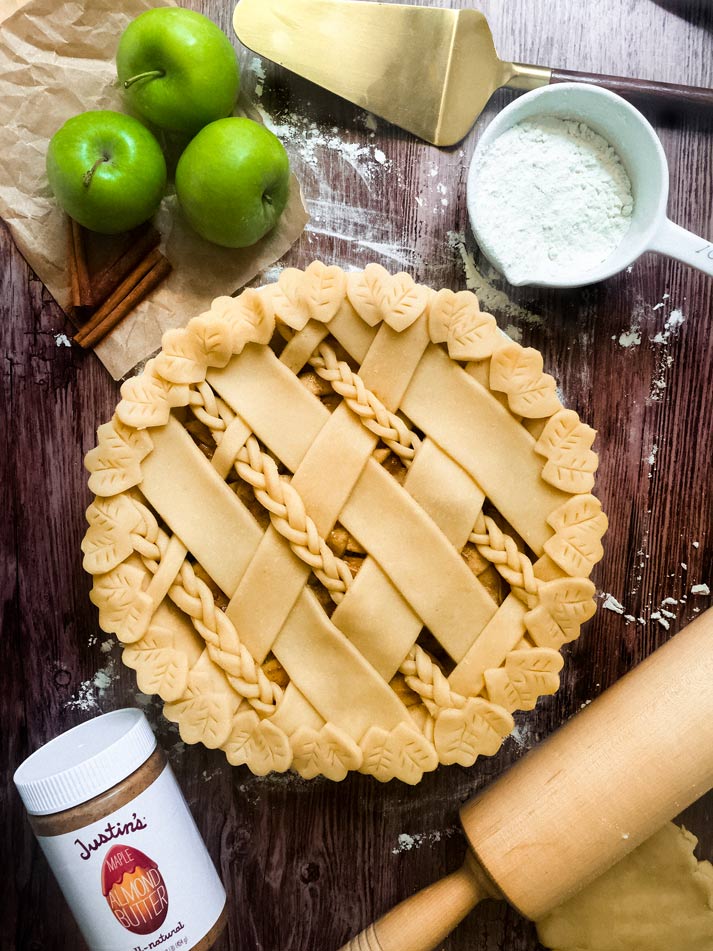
(343, 523)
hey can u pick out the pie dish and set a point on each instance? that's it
(343, 523)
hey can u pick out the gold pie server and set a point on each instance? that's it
(429, 71)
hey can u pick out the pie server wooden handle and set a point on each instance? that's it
(566, 812)
(663, 93)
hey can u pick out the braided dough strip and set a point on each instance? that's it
(278, 496)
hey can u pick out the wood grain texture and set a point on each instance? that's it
(309, 864)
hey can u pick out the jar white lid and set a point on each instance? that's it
(84, 762)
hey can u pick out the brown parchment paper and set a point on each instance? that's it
(57, 59)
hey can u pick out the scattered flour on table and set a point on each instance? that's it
(671, 327)
(406, 842)
(661, 341)
(62, 340)
(523, 736)
(305, 139)
(366, 228)
(552, 200)
(652, 460)
(257, 68)
(630, 338)
(90, 692)
(481, 283)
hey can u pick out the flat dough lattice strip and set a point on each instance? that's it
(340, 684)
(174, 473)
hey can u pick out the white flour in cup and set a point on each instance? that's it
(552, 200)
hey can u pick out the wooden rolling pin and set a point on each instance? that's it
(573, 807)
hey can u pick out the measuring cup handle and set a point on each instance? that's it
(683, 245)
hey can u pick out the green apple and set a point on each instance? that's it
(233, 181)
(178, 69)
(106, 170)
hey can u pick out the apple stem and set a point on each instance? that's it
(89, 174)
(150, 74)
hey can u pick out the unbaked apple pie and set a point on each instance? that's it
(343, 523)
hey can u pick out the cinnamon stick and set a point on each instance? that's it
(146, 276)
(106, 281)
(78, 271)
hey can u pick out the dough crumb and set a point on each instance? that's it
(611, 604)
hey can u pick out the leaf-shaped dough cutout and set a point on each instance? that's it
(136, 439)
(160, 667)
(526, 675)
(565, 432)
(477, 729)
(323, 290)
(205, 711)
(515, 369)
(569, 600)
(114, 465)
(260, 744)
(108, 539)
(147, 399)
(363, 291)
(545, 631)
(415, 755)
(576, 550)
(404, 753)
(328, 752)
(565, 604)
(251, 318)
(500, 690)
(287, 300)
(440, 314)
(124, 608)
(181, 359)
(473, 337)
(236, 746)
(572, 472)
(221, 307)
(537, 402)
(457, 319)
(269, 750)
(401, 301)
(212, 336)
(581, 511)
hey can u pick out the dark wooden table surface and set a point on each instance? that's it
(307, 863)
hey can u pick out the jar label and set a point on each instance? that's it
(140, 878)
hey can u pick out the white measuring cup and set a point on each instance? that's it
(639, 148)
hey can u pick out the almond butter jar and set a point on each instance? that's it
(114, 826)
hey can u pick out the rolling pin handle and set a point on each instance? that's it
(422, 922)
